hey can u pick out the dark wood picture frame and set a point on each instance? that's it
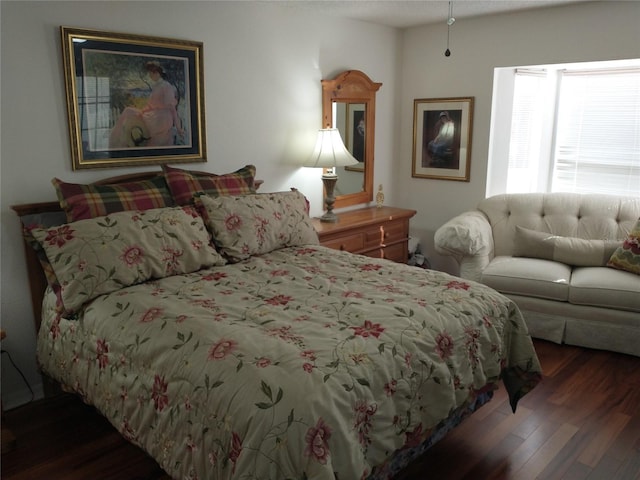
(133, 99)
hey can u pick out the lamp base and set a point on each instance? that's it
(329, 217)
(329, 181)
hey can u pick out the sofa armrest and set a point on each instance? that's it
(469, 239)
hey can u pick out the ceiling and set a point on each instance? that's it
(409, 13)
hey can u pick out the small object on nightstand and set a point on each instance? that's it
(379, 197)
(8, 438)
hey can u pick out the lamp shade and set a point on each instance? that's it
(330, 151)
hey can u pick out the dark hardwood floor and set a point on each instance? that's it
(581, 422)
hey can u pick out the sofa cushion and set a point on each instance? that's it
(528, 276)
(605, 287)
(569, 250)
(627, 256)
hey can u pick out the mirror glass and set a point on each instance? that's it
(349, 119)
(348, 104)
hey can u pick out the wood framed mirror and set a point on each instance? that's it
(349, 104)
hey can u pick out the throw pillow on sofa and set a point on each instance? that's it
(627, 257)
(569, 250)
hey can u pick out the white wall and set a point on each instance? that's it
(576, 33)
(262, 67)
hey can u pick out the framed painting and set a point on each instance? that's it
(442, 130)
(356, 134)
(133, 99)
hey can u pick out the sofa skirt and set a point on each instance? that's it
(590, 327)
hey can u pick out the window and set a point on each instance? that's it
(94, 102)
(530, 91)
(571, 128)
(598, 132)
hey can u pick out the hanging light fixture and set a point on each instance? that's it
(450, 21)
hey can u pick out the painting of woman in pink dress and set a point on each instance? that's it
(157, 124)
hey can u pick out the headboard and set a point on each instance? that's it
(37, 280)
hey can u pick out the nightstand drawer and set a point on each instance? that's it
(395, 231)
(390, 232)
(397, 252)
(373, 236)
(349, 243)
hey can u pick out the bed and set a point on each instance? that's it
(261, 354)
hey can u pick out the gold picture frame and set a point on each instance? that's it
(133, 99)
(442, 129)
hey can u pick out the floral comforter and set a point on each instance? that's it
(302, 363)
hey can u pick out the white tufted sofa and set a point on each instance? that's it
(593, 306)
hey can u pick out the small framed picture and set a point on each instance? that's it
(442, 130)
(133, 99)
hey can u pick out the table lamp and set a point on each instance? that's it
(329, 153)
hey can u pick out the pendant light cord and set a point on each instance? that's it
(450, 21)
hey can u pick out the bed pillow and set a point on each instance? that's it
(89, 201)
(255, 224)
(627, 256)
(569, 250)
(45, 220)
(184, 184)
(101, 255)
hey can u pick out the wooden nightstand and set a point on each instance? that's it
(374, 232)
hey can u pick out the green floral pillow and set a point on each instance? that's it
(254, 224)
(627, 257)
(101, 255)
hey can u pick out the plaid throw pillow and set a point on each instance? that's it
(184, 184)
(89, 201)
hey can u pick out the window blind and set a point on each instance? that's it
(526, 125)
(598, 132)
